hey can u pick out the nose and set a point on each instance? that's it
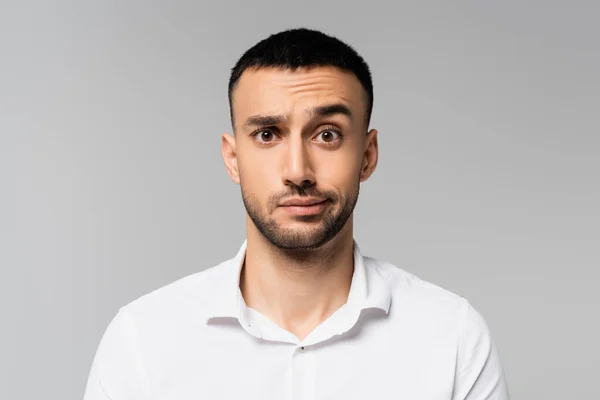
(297, 166)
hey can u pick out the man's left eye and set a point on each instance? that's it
(328, 135)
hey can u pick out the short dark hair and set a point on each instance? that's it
(302, 47)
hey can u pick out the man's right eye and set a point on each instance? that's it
(264, 136)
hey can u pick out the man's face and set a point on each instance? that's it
(299, 135)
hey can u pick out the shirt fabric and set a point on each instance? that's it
(397, 337)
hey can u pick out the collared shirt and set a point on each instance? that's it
(397, 337)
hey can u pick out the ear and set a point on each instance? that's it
(229, 153)
(370, 155)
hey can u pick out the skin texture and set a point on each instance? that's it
(298, 269)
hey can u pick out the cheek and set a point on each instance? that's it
(342, 180)
(256, 177)
(339, 169)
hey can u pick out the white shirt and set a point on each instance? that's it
(397, 337)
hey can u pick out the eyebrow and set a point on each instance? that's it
(322, 111)
(331, 109)
(263, 120)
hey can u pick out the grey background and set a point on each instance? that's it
(113, 183)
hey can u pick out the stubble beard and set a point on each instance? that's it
(319, 229)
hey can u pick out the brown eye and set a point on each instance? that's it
(265, 136)
(329, 136)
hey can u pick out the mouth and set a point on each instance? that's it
(310, 209)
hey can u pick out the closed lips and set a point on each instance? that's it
(302, 202)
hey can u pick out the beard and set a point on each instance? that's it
(320, 228)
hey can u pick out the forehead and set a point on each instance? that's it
(285, 91)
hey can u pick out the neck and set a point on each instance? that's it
(297, 290)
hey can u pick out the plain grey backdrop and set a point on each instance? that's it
(113, 184)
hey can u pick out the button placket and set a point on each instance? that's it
(303, 373)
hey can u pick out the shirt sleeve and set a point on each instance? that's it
(479, 373)
(117, 371)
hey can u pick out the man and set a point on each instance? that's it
(299, 312)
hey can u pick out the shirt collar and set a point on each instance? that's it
(368, 288)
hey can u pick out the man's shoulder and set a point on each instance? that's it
(192, 290)
(408, 288)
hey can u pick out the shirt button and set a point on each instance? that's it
(302, 348)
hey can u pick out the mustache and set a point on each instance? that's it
(303, 192)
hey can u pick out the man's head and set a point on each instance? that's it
(300, 106)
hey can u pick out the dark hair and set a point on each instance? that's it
(302, 47)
